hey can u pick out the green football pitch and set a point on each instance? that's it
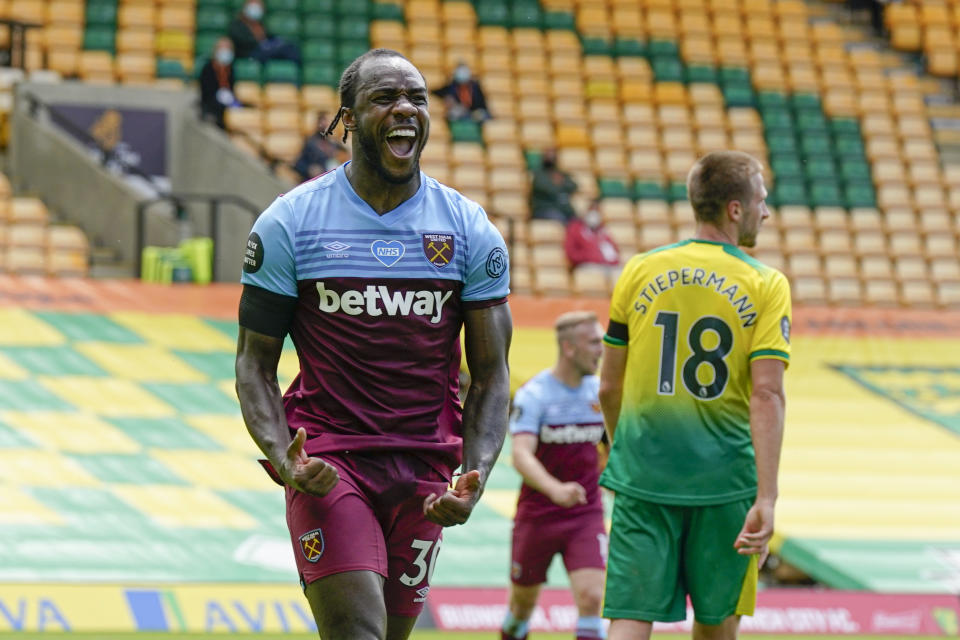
(417, 635)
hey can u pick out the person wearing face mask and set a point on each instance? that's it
(588, 243)
(551, 189)
(216, 83)
(463, 96)
(251, 39)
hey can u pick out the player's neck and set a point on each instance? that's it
(715, 234)
(382, 196)
(567, 374)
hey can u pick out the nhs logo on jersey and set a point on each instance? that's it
(387, 252)
(379, 300)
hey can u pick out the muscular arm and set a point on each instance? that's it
(262, 407)
(487, 341)
(767, 403)
(612, 370)
(564, 494)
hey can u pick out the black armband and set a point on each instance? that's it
(618, 334)
(266, 312)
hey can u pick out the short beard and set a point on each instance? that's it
(370, 151)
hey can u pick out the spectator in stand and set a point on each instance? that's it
(251, 40)
(588, 244)
(551, 190)
(216, 84)
(463, 96)
(320, 153)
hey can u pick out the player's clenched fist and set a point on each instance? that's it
(306, 474)
(456, 505)
(569, 494)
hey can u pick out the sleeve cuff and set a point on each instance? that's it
(614, 342)
(774, 354)
(483, 304)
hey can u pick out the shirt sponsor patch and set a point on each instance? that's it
(311, 544)
(253, 254)
(438, 248)
(785, 328)
(387, 252)
(496, 262)
(379, 300)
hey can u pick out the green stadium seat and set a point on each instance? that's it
(533, 158)
(825, 193)
(649, 190)
(667, 69)
(738, 95)
(819, 167)
(593, 46)
(734, 75)
(170, 69)
(465, 131)
(789, 192)
(281, 5)
(101, 13)
(492, 13)
(236, 5)
(805, 101)
(319, 26)
(526, 15)
(701, 73)
(776, 118)
(386, 11)
(783, 140)
(284, 24)
(222, 5)
(281, 71)
(559, 20)
(785, 166)
(347, 52)
(613, 188)
(353, 28)
(813, 144)
(213, 19)
(771, 99)
(854, 170)
(677, 192)
(324, 74)
(204, 43)
(99, 38)
(324, 7)
(848, 145)
(663, 48)
(356, 8)
(246, 70)
(860, 195)
(629, 47)
(809, 120)
(844, 126)
(322, 51)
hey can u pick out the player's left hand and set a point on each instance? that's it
(754, 537)
(456, 505)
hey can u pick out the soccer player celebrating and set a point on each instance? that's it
(373, 269)
(691, 389)
(556, 428)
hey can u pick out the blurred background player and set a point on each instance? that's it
(692, 396)
(368, 435)
(556, 428)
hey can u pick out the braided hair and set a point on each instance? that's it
(348, 84)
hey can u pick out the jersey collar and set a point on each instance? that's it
(390, 217)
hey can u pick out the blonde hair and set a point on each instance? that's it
(719, 178)
(567, 322)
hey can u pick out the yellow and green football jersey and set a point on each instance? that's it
(692, 315)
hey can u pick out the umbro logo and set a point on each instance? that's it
(422, 594)
(337, 249)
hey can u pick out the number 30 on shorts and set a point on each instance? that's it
(668, 321)
(423, 570)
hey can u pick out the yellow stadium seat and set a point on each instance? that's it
(64, 61)
(662, 24)
(562, 63)
(491, 37)
(141, 14)
(881, 293)
(319, 98)
(246, 119)
(458, 12)
(24, 261)
(804, 265)
(599, 111)
(731, 51)
(551, 281)
(809, 290)
(421, 9)
(655, 234)
(840, 266)
(506, 154)
(561, 41)
(646, 163)
(29, 236)
(63, 36)
(607, 134)
(917, 294)
(527, 39)
(948, 295)
(572, 134)
(945, 269)
(138, 39)
(593, 19)
(467, 153)
(591, 282)
(282, 119)
(28, 211)
(844, 291)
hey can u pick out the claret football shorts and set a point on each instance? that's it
(372, 520)
(581, 542)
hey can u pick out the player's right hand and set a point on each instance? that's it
(305, 473)
(569, 494)
(754, 537)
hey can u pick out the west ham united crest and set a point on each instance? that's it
(311, 544)
(439, 248)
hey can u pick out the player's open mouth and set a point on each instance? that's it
(402, 141)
